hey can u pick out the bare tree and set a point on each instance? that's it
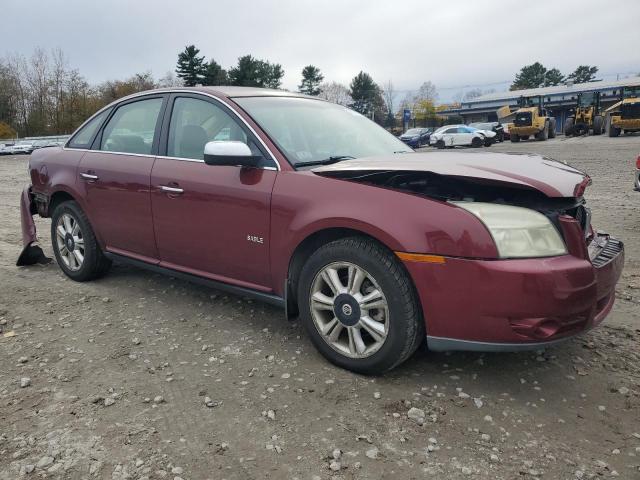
(170, 80)
(427, 91)
(335, 92)
(389, 93)
(471, 94)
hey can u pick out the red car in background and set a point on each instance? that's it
(310, 206)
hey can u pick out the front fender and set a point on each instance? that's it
(304, 203)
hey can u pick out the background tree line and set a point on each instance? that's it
(42, 95)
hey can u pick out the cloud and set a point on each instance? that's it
(452, 44)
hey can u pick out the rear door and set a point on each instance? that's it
(115, 176)
(211, 221)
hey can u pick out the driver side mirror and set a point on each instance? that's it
(230, 153)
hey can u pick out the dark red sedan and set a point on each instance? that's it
(310, 206)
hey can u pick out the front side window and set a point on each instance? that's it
(83, 138)
(308, 130)
(194, 123)
(132, 127)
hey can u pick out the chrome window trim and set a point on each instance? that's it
(170, 91)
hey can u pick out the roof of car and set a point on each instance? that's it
(229, 91)
(221, 91)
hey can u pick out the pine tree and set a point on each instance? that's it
(553, 77)
(251, 72)
(214, 74)
(363, 91)
(191, 68)
(530, 76)
(583, 74)
(311, 80)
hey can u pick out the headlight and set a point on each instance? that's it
(518, 232)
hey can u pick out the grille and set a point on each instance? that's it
(611, 250)
(630, 111)
(523, 119)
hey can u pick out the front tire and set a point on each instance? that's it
(440, 144)
(358, 305)
(74, 244)
(476, 142)
(598, 123)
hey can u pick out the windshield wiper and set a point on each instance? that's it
(326, 161)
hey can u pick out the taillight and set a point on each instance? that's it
(638, 162)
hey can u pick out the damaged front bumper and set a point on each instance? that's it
(31, 253)
(523, 304)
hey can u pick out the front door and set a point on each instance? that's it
(211, 221)
(115, 176)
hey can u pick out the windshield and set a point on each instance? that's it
(308, 130)
(587, 99)
(413, 131)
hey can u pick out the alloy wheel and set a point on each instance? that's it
(70, 242)
(349, 309)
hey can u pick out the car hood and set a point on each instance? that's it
(550, 177)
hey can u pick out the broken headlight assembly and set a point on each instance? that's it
(518, 232)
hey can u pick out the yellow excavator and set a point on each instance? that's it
(625, 114)
(531, 118)
(586, 116)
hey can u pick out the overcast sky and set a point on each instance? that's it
(453, 44)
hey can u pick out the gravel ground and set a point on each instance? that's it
(142, 376)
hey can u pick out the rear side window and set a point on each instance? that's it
(83, 138)
(132, 127)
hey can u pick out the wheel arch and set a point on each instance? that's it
(310, 244)
(62, 194)
(56, 199)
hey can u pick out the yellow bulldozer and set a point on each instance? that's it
(531, 118)
(625, 114)
(586, 117)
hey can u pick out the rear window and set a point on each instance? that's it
(85, 135)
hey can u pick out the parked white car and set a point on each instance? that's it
(4, 150)
(461, 135)
(24, 146)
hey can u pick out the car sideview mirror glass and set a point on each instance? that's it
(230, 153)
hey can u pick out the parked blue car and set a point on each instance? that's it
(416, 137)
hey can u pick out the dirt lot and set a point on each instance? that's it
(141, 376)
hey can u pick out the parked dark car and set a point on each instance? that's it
(636, 183)
(416, 137)
(496, 127)
(310, 206)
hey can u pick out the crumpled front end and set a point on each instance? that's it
(31, 253)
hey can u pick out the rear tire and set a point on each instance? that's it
(598, 123)
(611, 130)
(552, 127)
(322, 310)
(514, 138)
(544, 134)
(568, 126)
(74, 244)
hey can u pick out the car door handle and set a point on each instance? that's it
(88, 176)
(174, 190)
